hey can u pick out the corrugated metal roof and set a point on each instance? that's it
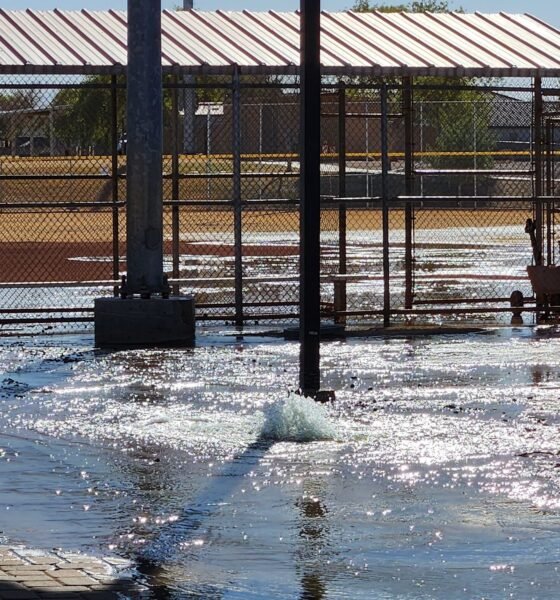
(375, 43)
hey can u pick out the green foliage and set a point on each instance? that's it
(437, 6)
(458, 118)
(431, 6)
(461, 125)
(83, 115)
(365, 6)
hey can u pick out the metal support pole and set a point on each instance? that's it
(408, 112)
(553, 187)
(189, 103)
(52, 145)
(208, 149)
(115, 178)
(175, 184)
(475, 148)
(341, 300)
(310, 209)
(538, 152)
(549, 204)
(385, 205)
(237, 208)
(549, 154)
(144, 149)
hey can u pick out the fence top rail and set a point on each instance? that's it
(57, 205)
(83, 83)
(475, 198)
(474, 171)
(410, 199)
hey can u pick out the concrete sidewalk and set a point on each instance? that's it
(32, 574)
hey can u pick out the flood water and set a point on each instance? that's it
(435, 474)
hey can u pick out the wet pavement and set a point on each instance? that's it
(32, 575)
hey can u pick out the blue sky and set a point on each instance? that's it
(548, 10)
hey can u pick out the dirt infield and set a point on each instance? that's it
(93, 261)
(71, 245)
(97, 226)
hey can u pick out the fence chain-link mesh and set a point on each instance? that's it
(231, 176)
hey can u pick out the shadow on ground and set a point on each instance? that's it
(10, 590)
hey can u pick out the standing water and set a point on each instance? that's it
(433, 475)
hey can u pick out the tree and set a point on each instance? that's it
(438, 6)
(458, 119)
(83, 114)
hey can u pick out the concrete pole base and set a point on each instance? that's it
(144, 322)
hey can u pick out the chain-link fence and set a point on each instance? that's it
(425, 196)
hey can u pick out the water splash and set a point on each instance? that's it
(297, 419)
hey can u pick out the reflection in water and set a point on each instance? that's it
(312, 588)
(313, 530)
(541, 374)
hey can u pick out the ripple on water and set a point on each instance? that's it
(431, 444)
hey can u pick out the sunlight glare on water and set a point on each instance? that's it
(436, 466)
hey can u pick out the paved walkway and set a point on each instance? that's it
(32, 575)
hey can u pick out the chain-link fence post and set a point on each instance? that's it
(408, 112)
(237, 205)
(385, 205)
(115, 178)
(538, 147)
(340, 286)
(175, 180)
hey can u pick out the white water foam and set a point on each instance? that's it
(297, 419)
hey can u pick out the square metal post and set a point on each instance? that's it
(310, 207)
(153, 318)
(144, 223)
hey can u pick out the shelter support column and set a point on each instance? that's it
(310, 199)
(144, 225)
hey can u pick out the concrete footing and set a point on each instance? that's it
(144, 322)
